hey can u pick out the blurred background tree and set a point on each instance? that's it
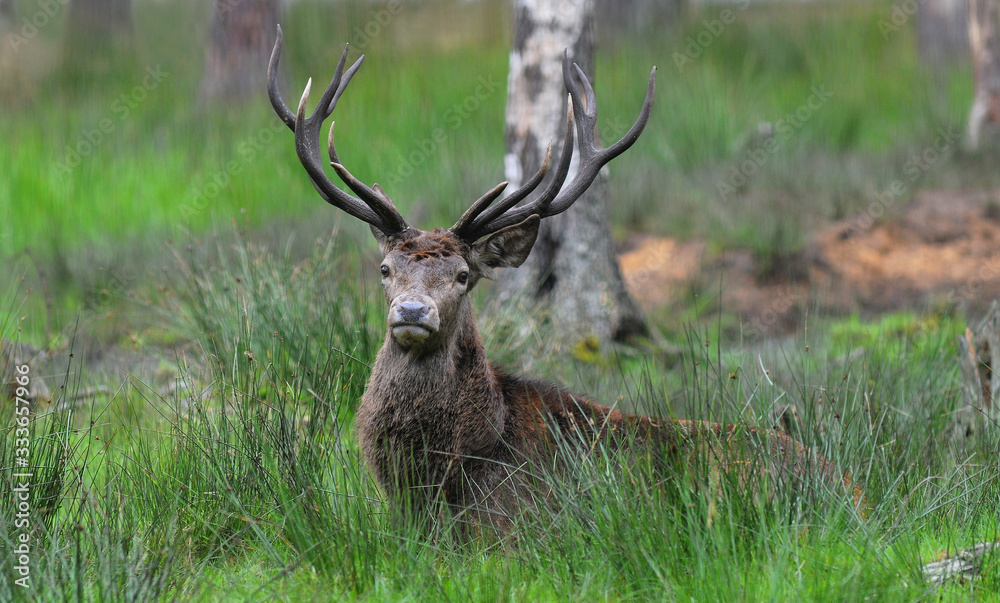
(98, 47)
(238, 49)
(984, 117)
(943, 33)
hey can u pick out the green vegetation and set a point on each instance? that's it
(188, 234)
(162, 166)
(253, 487)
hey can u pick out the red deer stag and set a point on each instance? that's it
(438, 421)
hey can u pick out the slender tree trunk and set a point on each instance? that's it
(572, 266)
(238, 49)
(6, 11)
(942, 33)
(984, 117)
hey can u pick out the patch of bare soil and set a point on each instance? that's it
(943, 247)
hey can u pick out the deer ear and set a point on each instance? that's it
(506, 248)
(381, 239)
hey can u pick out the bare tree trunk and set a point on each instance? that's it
(98, 43)
(573, 265)
(942, 33)
(984, 117)
(6, 11)
(236, 56)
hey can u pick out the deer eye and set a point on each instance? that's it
(462, 278)
(385, 271)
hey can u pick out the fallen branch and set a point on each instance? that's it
(964, 565)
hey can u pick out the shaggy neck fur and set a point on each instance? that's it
(427, 412)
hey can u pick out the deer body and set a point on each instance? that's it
(437, 420)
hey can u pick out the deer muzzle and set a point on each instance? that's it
(413, 320)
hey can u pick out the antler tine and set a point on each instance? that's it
(593, 159)
(346, 80)
(333, 91)
(633, 133)
(273, 93)
(307, 150)
(587, 120)
(562, 170)
(481, 213)
(514, 198)
(557, 199)
(477, 208)
(554, 200)
(374, 207)
(375, 198)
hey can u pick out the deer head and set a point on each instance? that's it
(426, 275)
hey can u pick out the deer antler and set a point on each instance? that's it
(481, 220)
(374, 206)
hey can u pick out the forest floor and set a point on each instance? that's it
(941, 249)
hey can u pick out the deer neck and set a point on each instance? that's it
(453, 368)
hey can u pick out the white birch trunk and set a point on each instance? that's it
(573, 265)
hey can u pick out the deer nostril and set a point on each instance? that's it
(413, 312)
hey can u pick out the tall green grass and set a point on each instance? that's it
(248, 483)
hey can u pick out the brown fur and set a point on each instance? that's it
(426, 245)
(439, 422)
